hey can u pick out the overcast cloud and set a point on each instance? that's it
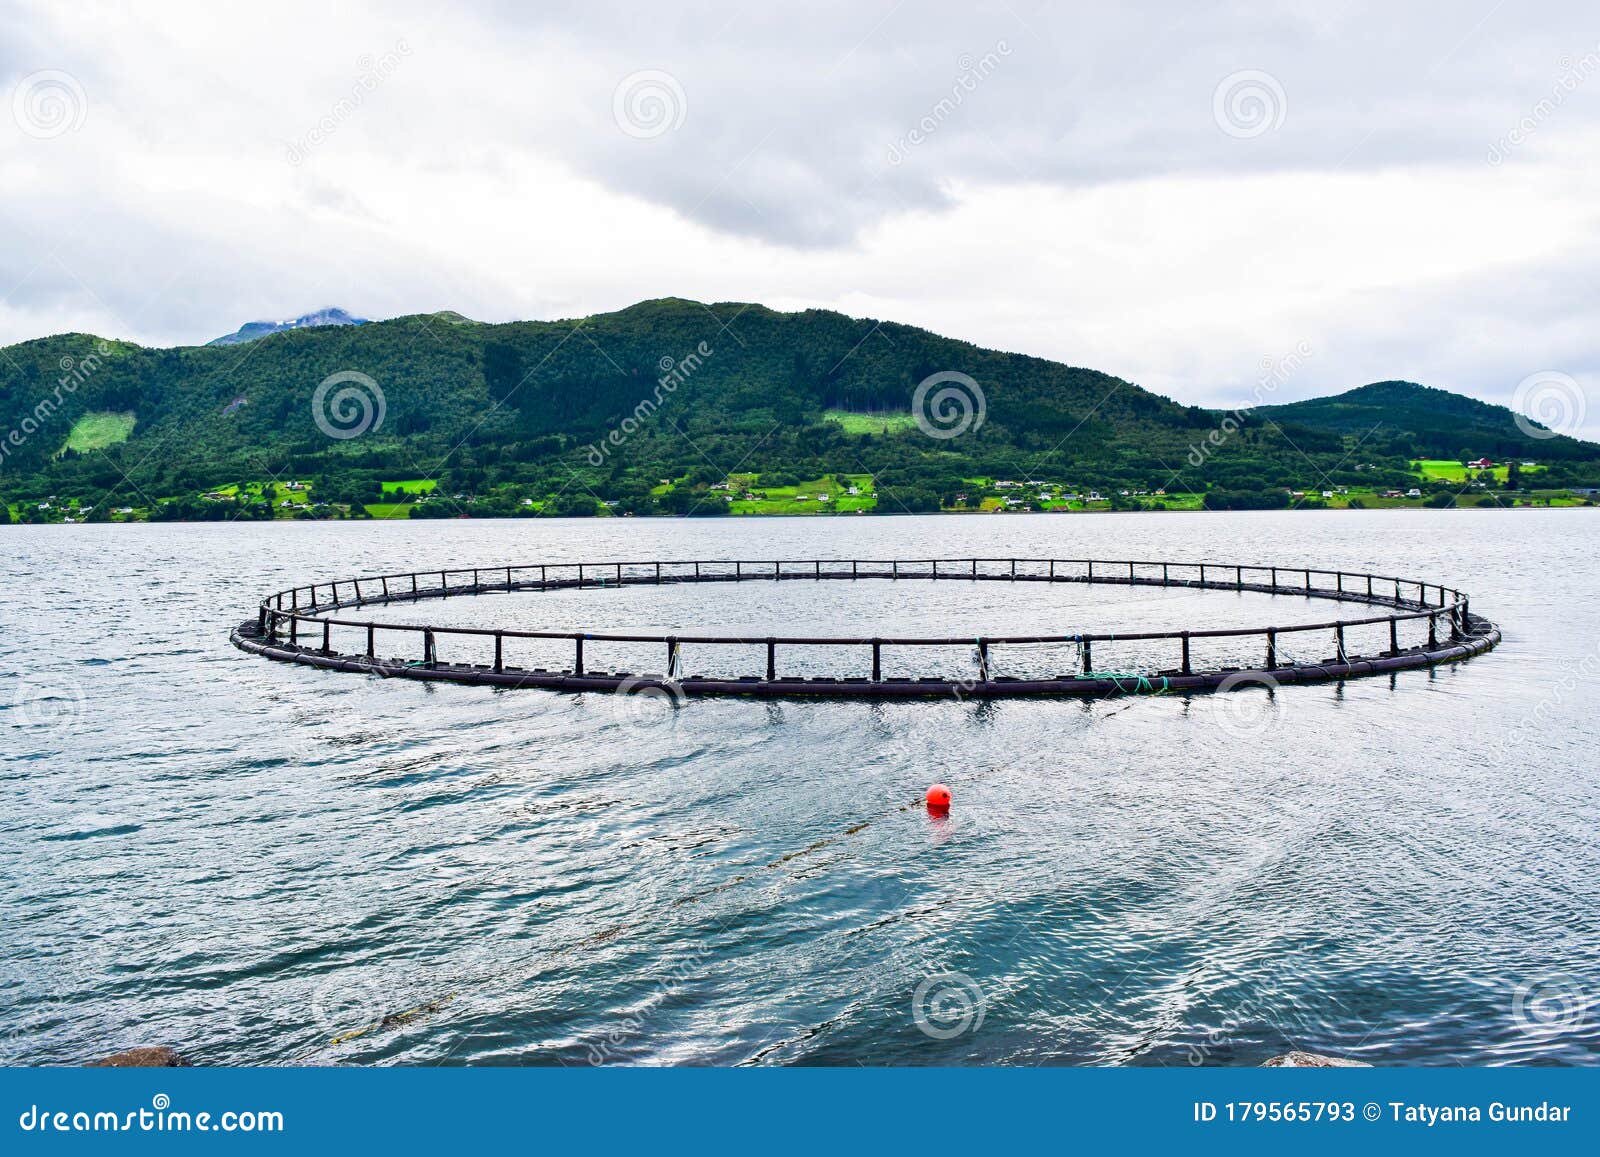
(1174, 193)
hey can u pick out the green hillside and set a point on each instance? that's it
(668, 406)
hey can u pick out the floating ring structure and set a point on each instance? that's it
(298, 625)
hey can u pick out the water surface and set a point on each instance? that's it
(261, 864)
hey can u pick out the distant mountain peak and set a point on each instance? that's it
(254, 329)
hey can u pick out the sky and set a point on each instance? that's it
(1225, 203)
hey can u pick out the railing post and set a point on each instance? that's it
(475, 583)
(294, 630)
(819, 569)
(1272, 650)
(580, 576)
(294, 599)
(1130, 571)
(1088, 654)
(444, 584)
(772, 661)
(1274, 580)
(1394, 637)
(577, 662)
(1308, 582)
(877, 661)
(385, 581)
(1369, 586)
(1091, 570)
(413, 584)
(619, 574)
(1338, 581)
(1433, 632)
(372, 641)
(429, 655)
(508, 580)
(261, 620)
(1338, 642)
(672, 656)
(1185, 637)
(1238, 578)
(499, 652)
(894, 568)
(658, 574)
(983, 660)
(974, 570)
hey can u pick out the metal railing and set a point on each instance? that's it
(289, 615)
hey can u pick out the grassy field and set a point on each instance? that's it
(389, 509)
(1447, 470)
(860, 422)
(804, 499)
(98, 430)
(413, 486)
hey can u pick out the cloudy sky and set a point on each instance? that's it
(1177, 193)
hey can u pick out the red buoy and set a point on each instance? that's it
(938, 798)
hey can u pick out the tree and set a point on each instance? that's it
(5, 513)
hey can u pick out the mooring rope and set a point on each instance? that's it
(605, 935)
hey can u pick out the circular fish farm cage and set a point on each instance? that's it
(1420, 624)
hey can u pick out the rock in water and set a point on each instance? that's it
(1299, 1060)
(158, 1057)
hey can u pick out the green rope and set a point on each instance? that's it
(1142, 684)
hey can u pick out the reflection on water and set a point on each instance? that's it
(262, 864)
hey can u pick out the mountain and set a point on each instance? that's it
(254, 329)
(675, 406)
(1434, 423)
